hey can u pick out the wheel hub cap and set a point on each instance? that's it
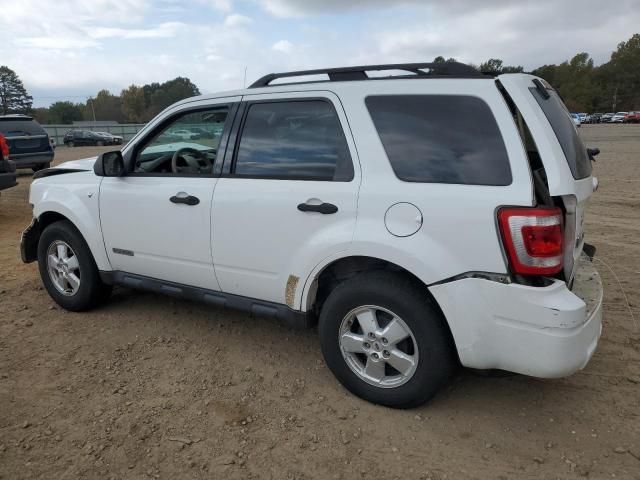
(63, 268)
(378, 346)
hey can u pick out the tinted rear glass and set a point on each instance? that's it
(14, 128)
(562, 125)
(441, 139)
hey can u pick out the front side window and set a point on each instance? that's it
(441, 139)
(300, 140)
(187, 145)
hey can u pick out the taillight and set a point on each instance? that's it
(4, 148)
(532, 238)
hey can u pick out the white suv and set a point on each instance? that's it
(423, 221)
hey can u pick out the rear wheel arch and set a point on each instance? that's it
(342, 269)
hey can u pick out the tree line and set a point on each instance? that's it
(612, 86)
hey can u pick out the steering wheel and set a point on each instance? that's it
(195, 160)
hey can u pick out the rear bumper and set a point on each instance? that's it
(544, 332)
(29, 160)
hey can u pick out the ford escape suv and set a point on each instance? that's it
(422, 220)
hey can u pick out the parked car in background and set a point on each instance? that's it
(7, 167)
(111, 138)
(183, 134)
(298, 225)
(596, 117)
(632, 117)
(76, 138)
(619, 117)
(606, 118)
(576, 119)
(29, 144)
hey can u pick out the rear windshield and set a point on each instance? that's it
(562, 125)
(441, 139)
(15, 128)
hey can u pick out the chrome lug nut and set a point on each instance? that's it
(384, 340)
(366, 345)
(374, 356)
(372, 335)
(386, 354)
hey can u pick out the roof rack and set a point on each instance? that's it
(415, 70)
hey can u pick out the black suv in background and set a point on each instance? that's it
(28, 142)
(76, 138)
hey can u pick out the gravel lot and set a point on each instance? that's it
(152, 387)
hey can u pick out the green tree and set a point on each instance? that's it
(106, 106)
(495, 66)
(13, 96)
(65, 112)
(133, 104)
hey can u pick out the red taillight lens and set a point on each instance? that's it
(4, 147)
(532, 238)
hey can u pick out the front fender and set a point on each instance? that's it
(74, 196)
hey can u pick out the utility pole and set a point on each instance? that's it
(93, 111)
(244, 82)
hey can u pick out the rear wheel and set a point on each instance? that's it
(70, 144)
(385, 341)
(67, 268)
(100, 143)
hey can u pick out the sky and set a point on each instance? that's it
(70, 49)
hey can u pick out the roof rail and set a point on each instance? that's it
(414, 70)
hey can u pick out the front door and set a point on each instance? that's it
(156, 220)
(288, 199)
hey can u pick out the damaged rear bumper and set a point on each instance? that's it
(544, 332)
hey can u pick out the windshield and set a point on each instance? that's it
(566, 133)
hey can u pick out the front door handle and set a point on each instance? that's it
(185, 198)
(324, 208)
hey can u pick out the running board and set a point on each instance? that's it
(292, 318)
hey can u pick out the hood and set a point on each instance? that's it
(83, 164)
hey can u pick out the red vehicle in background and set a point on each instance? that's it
(632, 117)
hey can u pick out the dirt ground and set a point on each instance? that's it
(152, 387)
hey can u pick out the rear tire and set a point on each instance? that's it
(426, 354)
(70, 144)
(68, 270)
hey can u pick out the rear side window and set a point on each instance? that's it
(295, 140)
(16, 128)
(441, 139)
(562, 125)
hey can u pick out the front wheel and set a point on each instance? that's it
(70, 144)
(100, 143)
(385, 341)
(67, 268)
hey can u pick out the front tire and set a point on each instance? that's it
(385, 341)
(67, 268)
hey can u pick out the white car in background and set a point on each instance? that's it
(422, 222)
(576, 119)
(619, 117)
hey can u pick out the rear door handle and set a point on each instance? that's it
(324, 208)
(185, 198)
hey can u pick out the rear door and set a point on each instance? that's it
(288, 196)
(562, 152)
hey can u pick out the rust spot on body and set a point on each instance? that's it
(290, 291)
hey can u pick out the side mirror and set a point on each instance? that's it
(109, 164)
